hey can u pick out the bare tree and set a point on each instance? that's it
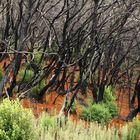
(95, 37)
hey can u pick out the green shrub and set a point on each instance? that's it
(97, 113)
(109, 94)
(16, 123)
(109, 101)
(102, 112)
(25, 76)
(1, 74)
(112, 108)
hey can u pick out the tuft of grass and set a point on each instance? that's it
(109, 101)
(102, 112)
(109, 94)
(97, 113)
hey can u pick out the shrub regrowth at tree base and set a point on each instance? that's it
(102, 112)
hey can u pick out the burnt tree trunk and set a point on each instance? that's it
(94, 92)
(101, 92)
(134, 112)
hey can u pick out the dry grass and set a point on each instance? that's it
(73, 131)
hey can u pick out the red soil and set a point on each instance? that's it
(37, 108)
(49, 106)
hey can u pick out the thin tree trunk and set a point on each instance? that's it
(101, 92)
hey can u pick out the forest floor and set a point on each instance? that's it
(51, 108)
(48, 105)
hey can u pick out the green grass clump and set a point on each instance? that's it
(109, 101)
(25, 75)
(16, 123)
(97, 113)
(112, 108)
(102, 112)
(109, 94)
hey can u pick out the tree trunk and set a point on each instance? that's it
(101, 92)
(94, 92)
(134, 112)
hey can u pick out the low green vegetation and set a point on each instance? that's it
(109, 94)
(71, 131)
(36, 90)
(102, 112)
(17, 123)
(111, 106)
(96, 113)
(109, 101)
(25, 75)
(46, 122)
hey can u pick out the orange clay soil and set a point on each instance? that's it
(49, 106)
